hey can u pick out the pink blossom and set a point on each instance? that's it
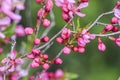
(65, 33)
(76, 10)
(84, 38)
(1, 49)
(65, 16)
(70, 8)
(114, 20)
(14, 76)
(12, 62)
(101, 46)
(108, 27)
(59, 73)
(49, 6)
(117, 41)
(36, 41)
(46, 23)
(58, 61)
(34, 64)
(60, 3)
(45, 56)
(28, 30)
(34, 54)
(38, 1)
(19, 31)
(5, 21)
(117, 14)
(2, 35)
(75, 48)
(45, 66)
(66, 50)
(59, 40)
(19, 4)
(45, 39)
(81, 49)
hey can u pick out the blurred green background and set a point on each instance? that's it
(92, 65)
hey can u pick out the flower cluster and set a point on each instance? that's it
(9, 19)
(57, 75)
(74, 39)
(11, 62)
(42, 59)
(69, 9)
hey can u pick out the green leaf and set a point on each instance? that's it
(10, 30)
(78, 24)
(71, 76)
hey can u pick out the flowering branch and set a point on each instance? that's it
(99, 17)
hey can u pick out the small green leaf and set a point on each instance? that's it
(10, 30)
(78, 24)
(71, 76)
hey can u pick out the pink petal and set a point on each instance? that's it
(19, 30)
(13, 16)
(12, 69)
(59, 73)
(5, 21)
(59, 2)
(80, 14)
(2, 35)
(117, 13)
(2, 68)
(19, 61)
(71, 14)
(13, 54)
(31, 56)
(82, 5)
(5, 60)
(71, 1)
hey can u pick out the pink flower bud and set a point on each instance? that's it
(49, 6)
(46, 23)
(117, 41)
(31, 56)
(75, 48)
(45, 39)
(114, 20)
(117, 4)
(65, 16)
(37, 60)
(34, 65)
(58, 61)
(84, 0)
(108, 27)
(19, 61)
(39, 1)
(65, 33)
(66, 50)
(45, 66)
(45, 56)
(39, 13)
(1, 50)
(59, 40)
(115, 29)
(36, 41)
(19, 31)
(59, 73)
(29, 31)
(34, 51)
(101, 46)
(50, 74)
(81, 49)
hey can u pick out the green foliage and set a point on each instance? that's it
(10, 30)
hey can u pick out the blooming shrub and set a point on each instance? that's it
(72, 37)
